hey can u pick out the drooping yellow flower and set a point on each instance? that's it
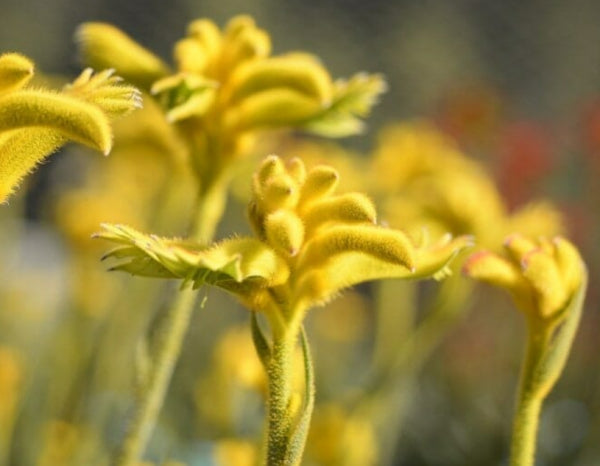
(36, 122)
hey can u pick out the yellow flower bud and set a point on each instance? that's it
(247, 46)
(568, 262)
(320, 182)
(492, 268)
(284, 231)
(237, 24)
(105, 46)
(15, 71)
(271, 166)
(208, 36)
(542, 276)
(190, 56)
(279, 193)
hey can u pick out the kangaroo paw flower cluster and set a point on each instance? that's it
(225, 86)
(311, 243)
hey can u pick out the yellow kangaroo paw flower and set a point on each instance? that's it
(106, 91)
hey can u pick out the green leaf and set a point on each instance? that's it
(358, 95)
(106, 91)
(352, 100)
(334, 125)
(548, 354)
(261, 344)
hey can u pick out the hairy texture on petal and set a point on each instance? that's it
(284, 231)
(344, 208)
(15, 71)
(77, 120)
(386, 245)
(299, 72)
(321, 181)
(21, 151)
(105, 46)
(272, 108)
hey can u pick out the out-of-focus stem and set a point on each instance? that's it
(529, 404)
(525, 430)
(209, 209)
(155, 389)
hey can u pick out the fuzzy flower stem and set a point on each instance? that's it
(529, 405)
(525, 431)
(157, 385)
(279, 373)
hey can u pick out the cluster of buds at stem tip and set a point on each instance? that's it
(331, 240)
(542, 275)
(35, 122)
